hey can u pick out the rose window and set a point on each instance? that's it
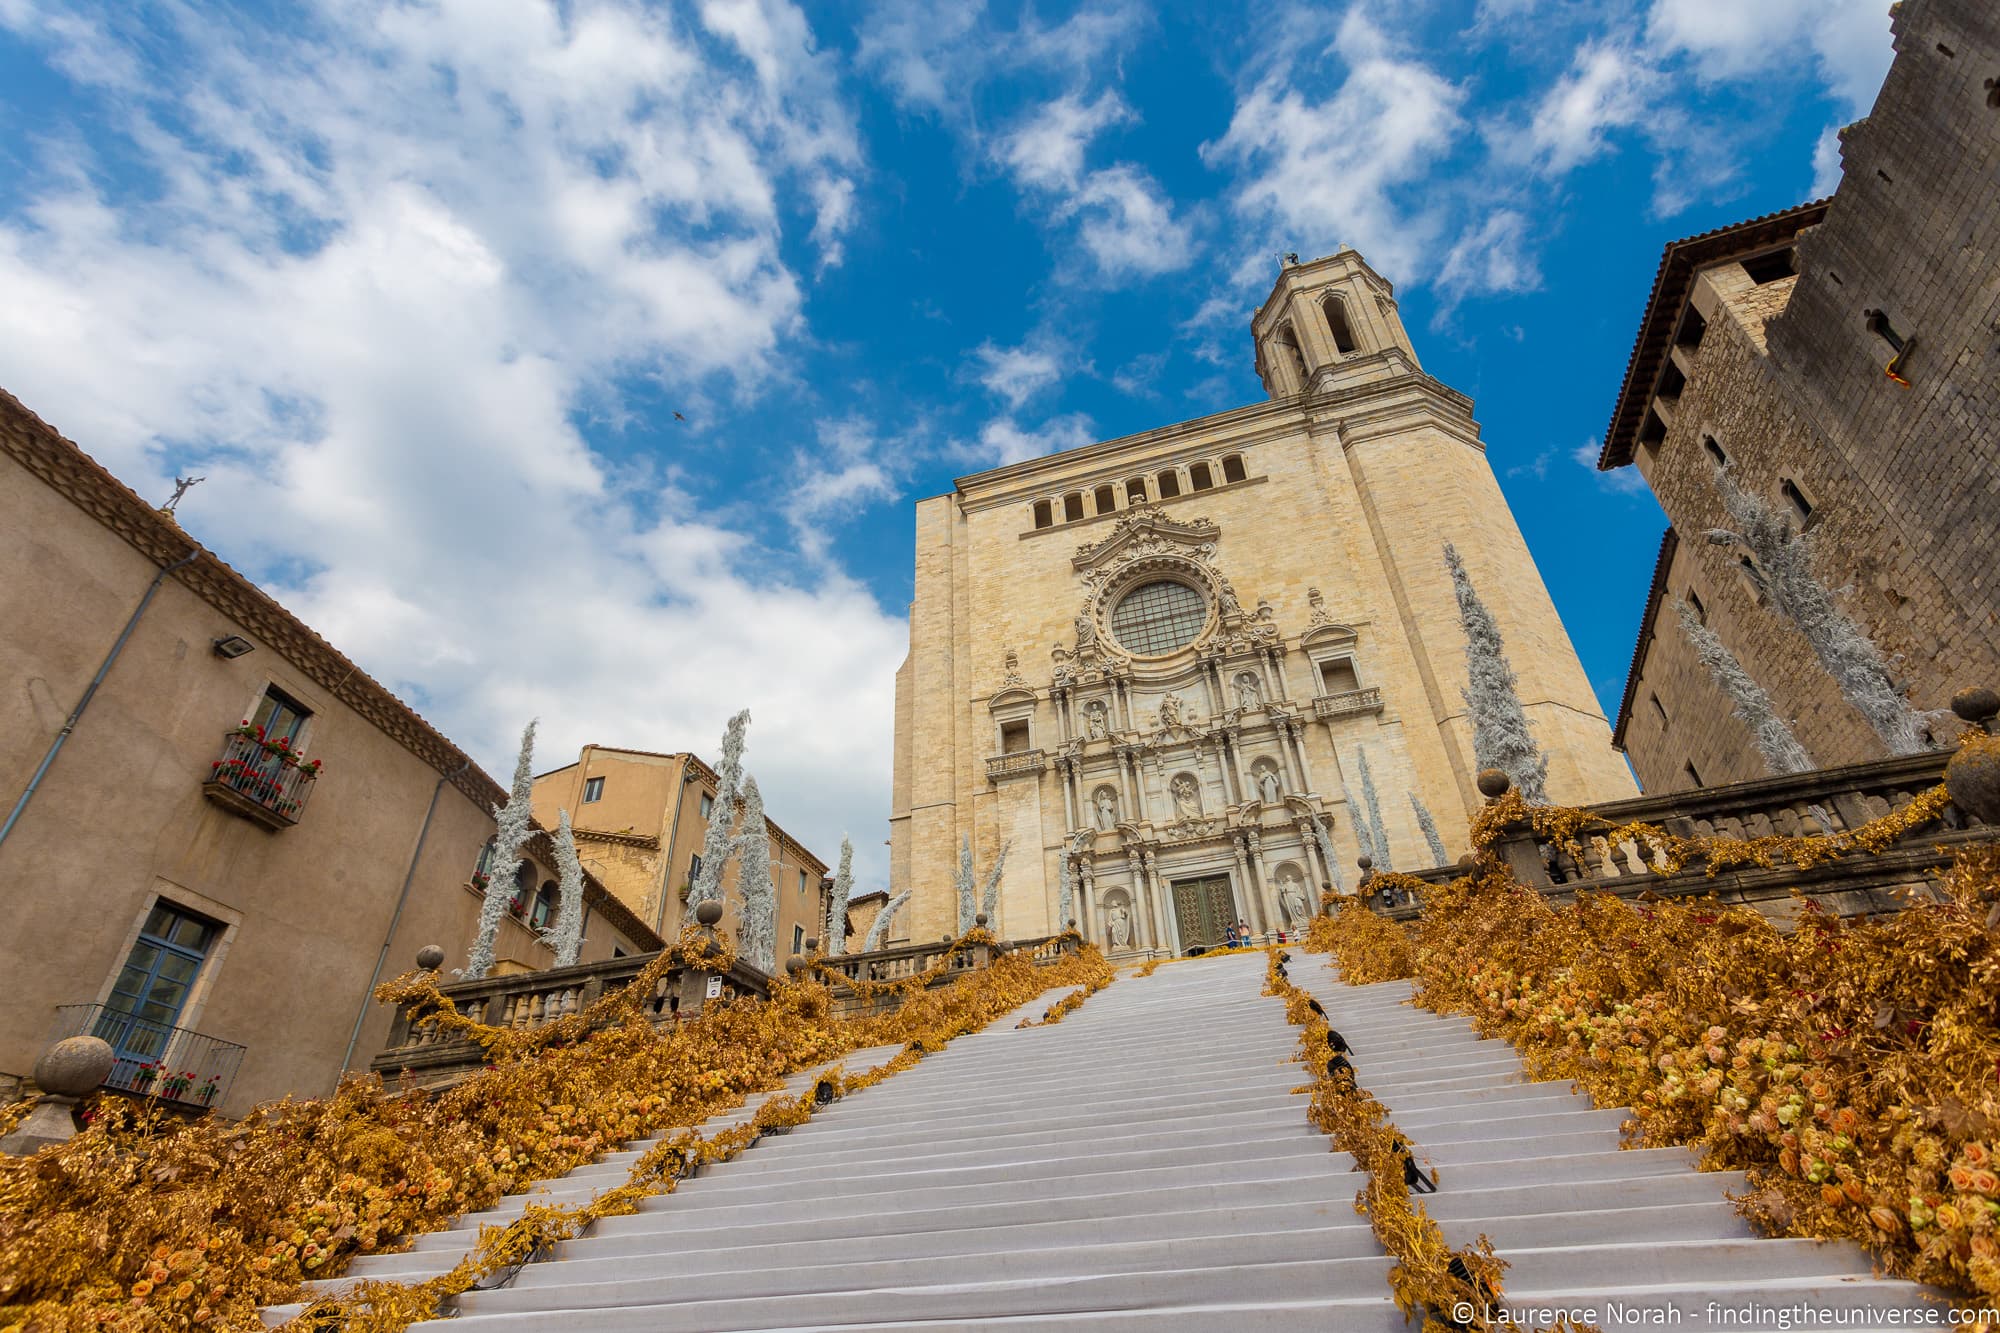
(1157, 618)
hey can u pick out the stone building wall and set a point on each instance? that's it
(1903, 482)
(1325, 545)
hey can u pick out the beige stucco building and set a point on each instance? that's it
(1162, 658)
(209, 902)
(1770, 344)
(639, 818)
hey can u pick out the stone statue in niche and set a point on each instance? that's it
(1267, 786)
(1187, 797)
(1292, 897)
(1247, 696)
(1093, 720)
(1172, 711)
(1118, 926)
(1107, 811)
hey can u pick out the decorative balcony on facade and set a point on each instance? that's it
(264, 781)
(1016, 764)
(1348, 703)
(178, 1066)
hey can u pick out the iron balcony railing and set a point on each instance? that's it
(260, 780)
(154, 1060)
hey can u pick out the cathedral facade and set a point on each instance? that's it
(1174, 678)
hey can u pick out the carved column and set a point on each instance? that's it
(1296, 731)
(1086, 898)
(1274, 668)
(1322, 878)
(1060, 697)
(1253, 898)
(1066, 769)
(1123, 698)
(1156, 904)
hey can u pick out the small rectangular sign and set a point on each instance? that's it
(715, 988)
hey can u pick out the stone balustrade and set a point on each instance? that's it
(1348, 703)
(522, 1001)
(1830, 800)
(1018, 764)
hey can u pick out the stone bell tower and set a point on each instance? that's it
(1331, 323)
(1186, 678)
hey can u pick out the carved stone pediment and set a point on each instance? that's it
(1145, 530)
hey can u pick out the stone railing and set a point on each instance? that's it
(912, 960)
(1348, 702)
(530, 999)
(1830, 800)
(1020, 763)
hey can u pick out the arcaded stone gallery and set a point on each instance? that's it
(1184, 680)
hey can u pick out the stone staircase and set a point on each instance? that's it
(1582, 1223)
(1147, 1164)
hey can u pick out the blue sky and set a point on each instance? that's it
(420, 287)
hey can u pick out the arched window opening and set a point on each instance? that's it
(1232, 468)
(1287, 344)
(1337, 324)
(1170, 485)
(1107, 499)
(1072, 507)
(524, 888)
(1045, 514)
(1198, 476)
(1135, 491)
(1802, 508)
(544, 913)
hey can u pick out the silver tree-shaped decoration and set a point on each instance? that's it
(989, 893)
(757, 937)
(878, 934)
(1324, 838)
(1775, 741)
(1500, 735)
(565, 937)
(1376, 834)
(1357, 817)
(836, 908)
(1782, 566)
(514, 824)
(1430, 828)
(719, 840)
(968, 903)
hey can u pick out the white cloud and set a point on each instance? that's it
(1317, 174)
(1019, 373)
(1623, 480)
(1826, 163)
(1605, 88)
(1003, 441)
(1047, 150)
(933, 54)
(1732, 39)
(1128, 224)
(1496, 256)
(389, 264)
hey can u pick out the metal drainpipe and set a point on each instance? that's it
(90, 692)
(409, 877)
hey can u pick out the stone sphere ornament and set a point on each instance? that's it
(1973, 777)
(1977, 705)
(1492, 783)
(708, 913)
(795, 965)
(430, 958)
(1367, 863)
(812, 944)
(980, 920)
(75, 1066)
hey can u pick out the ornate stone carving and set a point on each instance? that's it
(1317, 602)
(1118, 926)
(1268, 787)
(1107, 809)
(1292, 897)
(1012, 664)
(1248, 696)
(1187, 796)
(1094, 722)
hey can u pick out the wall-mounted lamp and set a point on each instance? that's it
(233, 645)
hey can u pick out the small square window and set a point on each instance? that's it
(802, 881)
(798, 939)
(1694, 605)
(593, 790)
(1013, 737)
(1338, 677)
(707, 804)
